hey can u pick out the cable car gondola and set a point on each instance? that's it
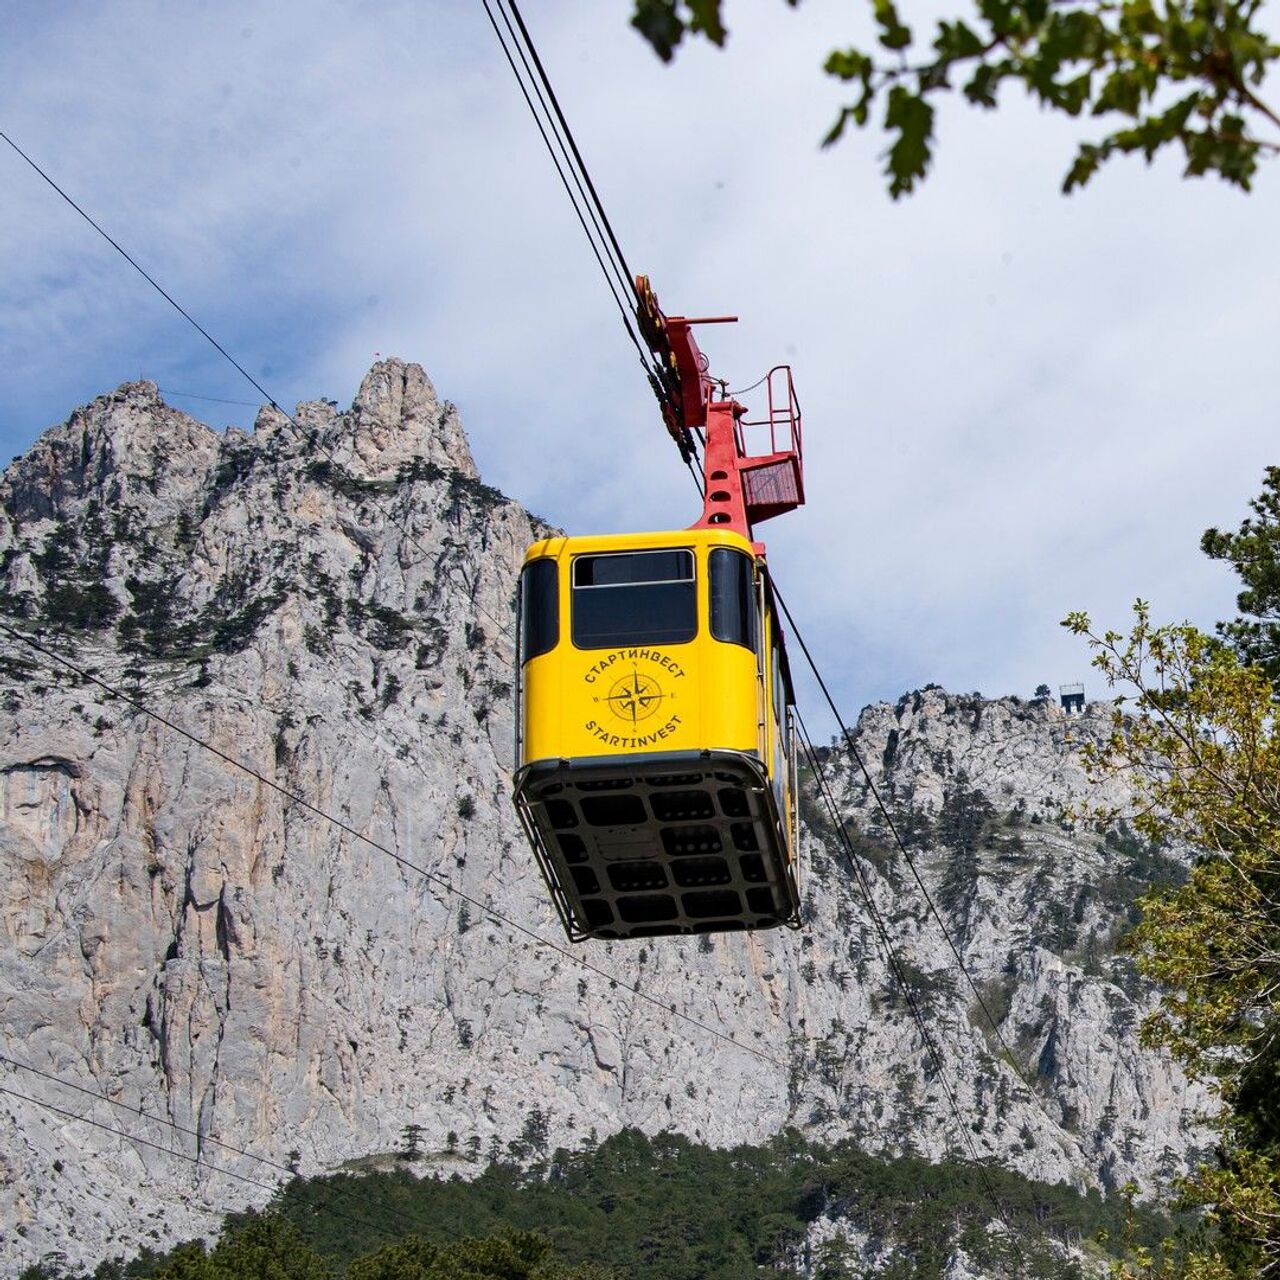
(655, 751)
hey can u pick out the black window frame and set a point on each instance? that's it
(616, 639)
(536, 640)
(747, 599)
(779, 690)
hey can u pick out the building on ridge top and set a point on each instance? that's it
(1072, 696)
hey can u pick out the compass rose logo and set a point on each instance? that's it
(635, 697)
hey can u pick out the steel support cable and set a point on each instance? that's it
(191, 395)
(621, 272)
(435, 556)
(417, 1224)
(130, 1137)
(568, 133)
(604, 244)
(332, 1206)
(150, 279)
(564, 140)
(697, 479)
(599, 216)
(408, 864)
(146, 1115)
(604, 241)
(597, 248)
(915, 874)
(891, 957)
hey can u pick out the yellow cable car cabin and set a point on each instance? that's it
(655, 772)
(656, 763)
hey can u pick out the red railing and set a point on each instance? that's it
(783, 420)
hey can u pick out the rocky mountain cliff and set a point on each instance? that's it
(330, 605)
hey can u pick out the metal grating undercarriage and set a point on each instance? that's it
(637, 846)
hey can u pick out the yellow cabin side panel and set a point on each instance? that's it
(641, 698)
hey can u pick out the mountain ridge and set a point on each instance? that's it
(177, 933)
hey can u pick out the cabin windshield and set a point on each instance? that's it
(636, 597)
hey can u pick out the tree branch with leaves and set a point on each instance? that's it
(1184, 74)
(1198, 733)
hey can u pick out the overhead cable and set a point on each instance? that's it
(191, 395)
(145, 1114)
(436, 556)
(133, 1137)
(599, 251)
(325, 1195)
(895, 968)
(408, 864)
(568, 133)
(146, 275)
(525, 50)
(551, 123)
(852, 745)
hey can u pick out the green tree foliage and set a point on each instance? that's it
(962, 826)
(1199, 734)
(1182, 73)
(411, 1140)
(665, 1208)
(517, 1256)
(258, 1247)
(1253, 551)
(73, 567)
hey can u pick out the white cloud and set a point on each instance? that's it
(1016, 403)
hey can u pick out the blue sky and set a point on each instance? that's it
(1016, 403)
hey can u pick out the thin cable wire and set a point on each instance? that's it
(564, 139)
(888, 817)
(146, 1115)
(604, 243)
(742, 391)
(435, 556)
(838, 824)
(577, 155)
(191, 395)
(599, 250)
(886, 942)
(605, 237)
(580, 961)
(150, 279)
(891, 957)
(328, 1195)
(564, 134)
(697, 479)
(130, 1137)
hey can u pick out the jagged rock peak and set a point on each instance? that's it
(930, 740)
(130, 440)
(126, 439)
(224, 957)
(395, 416)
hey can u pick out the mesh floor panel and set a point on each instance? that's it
(649, 845)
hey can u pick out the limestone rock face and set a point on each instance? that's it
(296, 914)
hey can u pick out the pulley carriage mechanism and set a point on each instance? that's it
(655, 751)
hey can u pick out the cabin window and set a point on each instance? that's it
(733, 605)
(779, 685)
(539, 609)
(637, 597)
